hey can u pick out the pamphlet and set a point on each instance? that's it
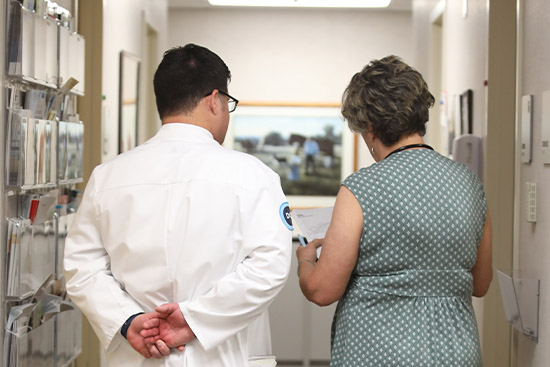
(313, 222)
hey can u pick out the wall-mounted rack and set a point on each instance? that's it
(520, 297)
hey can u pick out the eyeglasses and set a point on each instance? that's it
(232, 102)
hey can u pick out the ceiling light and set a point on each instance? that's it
(305, 3)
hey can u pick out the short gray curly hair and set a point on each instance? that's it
(389, 97)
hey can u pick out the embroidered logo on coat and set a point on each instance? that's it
(284, 212)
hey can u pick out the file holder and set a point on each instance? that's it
(32, 46)
(520, 297)
(32, 258)
(68, 331)
(70, 149)
(34, 347)
(63, 223)
(15, 151)
(33, 55)
(27, 43)
(31, 152)
(64, 55)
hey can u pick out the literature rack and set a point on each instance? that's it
(520, 297)
(43, 145)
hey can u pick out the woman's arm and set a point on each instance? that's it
(324, 282)
(483, 268)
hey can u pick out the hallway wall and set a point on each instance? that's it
(280, 55)
(533, 247)
(122, 30)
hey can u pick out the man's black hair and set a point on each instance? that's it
(185, 76)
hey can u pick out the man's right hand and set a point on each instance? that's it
(172, 327)
(157, 348)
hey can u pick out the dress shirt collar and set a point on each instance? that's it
(176, 131)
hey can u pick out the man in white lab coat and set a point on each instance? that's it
(181, 221)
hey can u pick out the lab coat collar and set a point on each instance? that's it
(183, 132)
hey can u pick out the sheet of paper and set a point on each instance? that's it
(262, 361)
(313, 222)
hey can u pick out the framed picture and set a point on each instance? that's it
(309, 147)
(128, 101)
(466, 112)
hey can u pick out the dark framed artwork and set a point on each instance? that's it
(128, 101)
(466, 114)
(309, 147)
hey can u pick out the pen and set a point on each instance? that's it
(302, 240)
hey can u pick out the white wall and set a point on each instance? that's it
(281, 55)
(122, 30)
(465, 45)
(534, 238)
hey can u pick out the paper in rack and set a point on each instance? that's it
(16, 145)
(14, 39)
(30, 151)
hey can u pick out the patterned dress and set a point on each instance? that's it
(408, 302)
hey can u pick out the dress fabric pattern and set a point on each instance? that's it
(408, 302)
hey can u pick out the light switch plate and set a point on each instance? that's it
(531, 202)
(545, 128)
(526, 123)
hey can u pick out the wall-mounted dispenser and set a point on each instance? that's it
(467, 149)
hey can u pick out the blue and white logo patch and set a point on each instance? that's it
(284, 212)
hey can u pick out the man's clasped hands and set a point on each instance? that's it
(152, 334)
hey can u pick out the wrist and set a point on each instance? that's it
(127, 323)
(305, 261)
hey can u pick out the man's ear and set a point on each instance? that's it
(212, 101)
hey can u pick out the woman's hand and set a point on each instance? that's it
(309, 252)
(325, 280)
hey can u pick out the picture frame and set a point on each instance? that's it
(128, 106)
(466, 114)
(309, 146)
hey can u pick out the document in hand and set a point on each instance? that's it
(313, 222)
(262, 361)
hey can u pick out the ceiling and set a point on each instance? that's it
(400, 5)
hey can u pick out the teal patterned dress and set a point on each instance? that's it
(409, 300)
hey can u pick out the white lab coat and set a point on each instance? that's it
(180, 219)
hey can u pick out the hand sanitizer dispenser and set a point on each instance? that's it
(467, 150)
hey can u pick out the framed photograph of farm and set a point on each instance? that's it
(309, 146)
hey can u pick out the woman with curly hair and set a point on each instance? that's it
(410, 238)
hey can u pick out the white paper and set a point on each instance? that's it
(30, 155)
(262, 361)
(64, 61)
(50, 57)
(313, 222)
(40, 45)
(46, 206)
(27, 44)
